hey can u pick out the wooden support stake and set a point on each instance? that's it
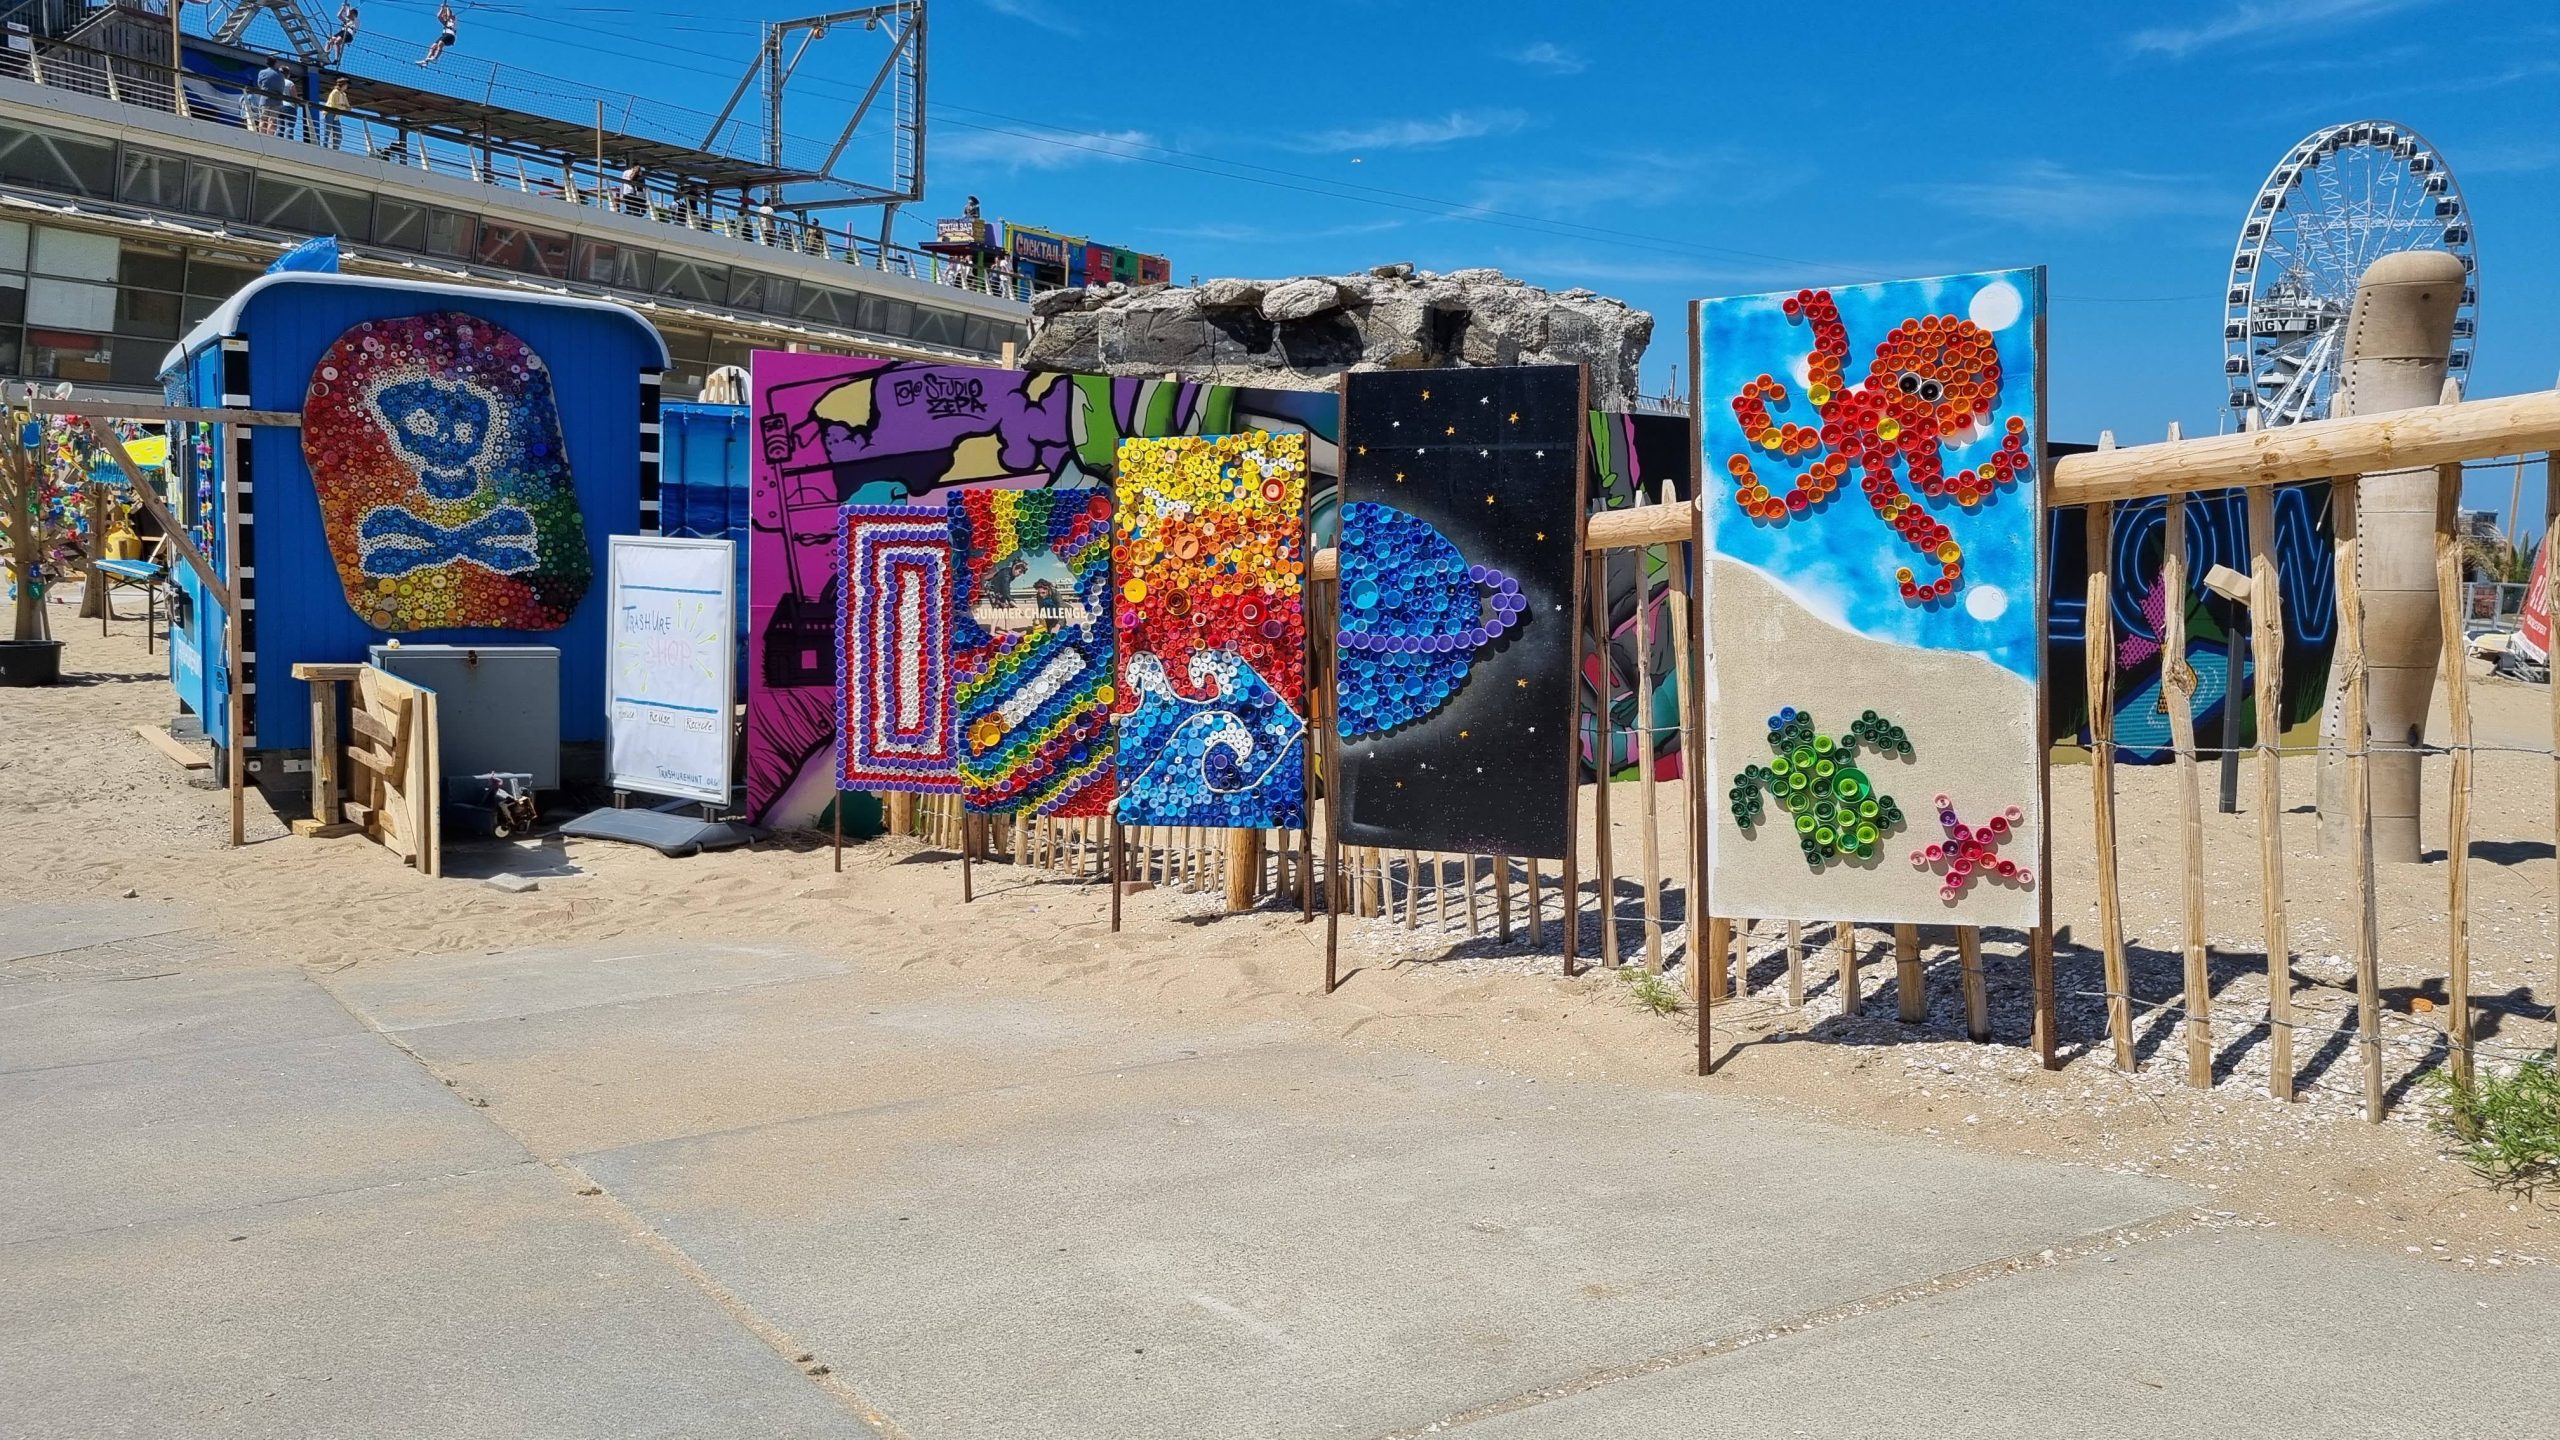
(968, 887)
(1467, 882)
(835, 813)
(1845, 936)
(1115, 874)
(1244, 868)
(1910, 977)
(2177, 690)
(1642, 748)
(2100, 650)
(2354, 732)
(2040, 971)
(1536, 906)
(1713, 961)
(2266, 658)
(1602, 746)
(2457, 701)
(1412, 887)
(324, 753)
(1795, 964)
(1502, 897)
(1693, 758)
(1977, 998)
(2551, 659)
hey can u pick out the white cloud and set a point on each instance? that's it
(2041, 195)
(1555, 59)
(1035, 13)
(1426, 133)
(2254, 21)
(1012, 150)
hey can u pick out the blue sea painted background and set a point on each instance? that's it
(1839, 558)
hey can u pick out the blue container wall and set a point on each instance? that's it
(196, 642)
(596, 359)
(704, 487)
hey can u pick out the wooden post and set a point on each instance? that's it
(1712, 962)
(967, 884)
(2551, 602)
(1642, 747)
(1244, 866)
(2099, 649)
(1977, 999)
(1536, 905)
(1795, 964)
(2177, 690)
(95, 598)
(1502, 897)
(1467, 881)
(1115, 875)
(902, 812)
(1693, 756)
(1910, 978)
(324, 752)
(2457, 702)
(2266, 650)
(1844, 934)
(1602, 745)
(835, 813)
(2352, 732)
(2040, 969)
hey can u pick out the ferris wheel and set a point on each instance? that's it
(2341, 199)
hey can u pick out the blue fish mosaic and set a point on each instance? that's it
(1415, 617)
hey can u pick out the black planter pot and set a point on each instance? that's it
(30, 662)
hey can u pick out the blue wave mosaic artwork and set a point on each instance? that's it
(1415, 616)
(1230, 759)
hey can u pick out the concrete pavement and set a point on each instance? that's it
(661, 1189)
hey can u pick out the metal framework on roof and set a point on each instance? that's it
(517, 132)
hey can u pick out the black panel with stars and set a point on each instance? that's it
(1492, 460)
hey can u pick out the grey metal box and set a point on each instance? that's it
(497, 706)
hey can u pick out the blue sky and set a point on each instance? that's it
(1660, 152)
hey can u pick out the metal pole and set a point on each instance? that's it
(177, 61)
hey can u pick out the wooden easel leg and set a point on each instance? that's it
(1115, 874)
(1910, 978)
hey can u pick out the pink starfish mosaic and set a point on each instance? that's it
(1966, 854)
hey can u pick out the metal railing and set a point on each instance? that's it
(494, 160)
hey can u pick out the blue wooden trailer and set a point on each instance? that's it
(463, 457)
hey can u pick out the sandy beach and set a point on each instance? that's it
(94, 814)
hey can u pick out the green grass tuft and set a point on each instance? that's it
(1654, 993)
(2507, 1125)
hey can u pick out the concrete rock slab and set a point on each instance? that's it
(2239, 1334)
(126, 1141)
(444, 989)
(601, 1077)
(1302, 1240)
(31, 930)
(496, 1305)
(170, 1013)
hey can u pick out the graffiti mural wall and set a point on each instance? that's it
(2217, 534)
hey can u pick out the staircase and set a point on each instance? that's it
(297, 23)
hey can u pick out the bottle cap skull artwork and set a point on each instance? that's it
(435, 448)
